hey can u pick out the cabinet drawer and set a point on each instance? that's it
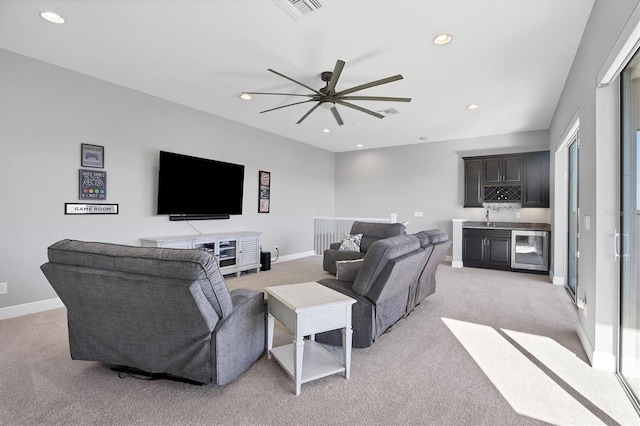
(487, 232)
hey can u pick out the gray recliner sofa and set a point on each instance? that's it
(165, 311)
(371, 232)
(425, 286)
(382, 288)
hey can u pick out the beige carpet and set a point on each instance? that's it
(489, 348)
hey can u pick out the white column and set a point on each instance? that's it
(457, 243)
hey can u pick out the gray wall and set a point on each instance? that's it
(426, 177)
(46, 112)
(598, 112)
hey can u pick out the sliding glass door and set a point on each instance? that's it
(573, 221)
(629, 242)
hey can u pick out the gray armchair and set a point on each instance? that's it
(165, 311)
(371, 232)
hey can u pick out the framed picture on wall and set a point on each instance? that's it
(264, 191)
(93, 185)
(92, 156)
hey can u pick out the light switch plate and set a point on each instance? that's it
(418, 214)
(587, 223)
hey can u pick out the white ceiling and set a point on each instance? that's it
(511, 57)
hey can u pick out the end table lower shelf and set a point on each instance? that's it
(318, 362)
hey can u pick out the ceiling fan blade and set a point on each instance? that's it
(356, 107)
(335, 76)
(295, 81)
(374, 98)
(370, 84)
(308, 112)
(336, 115)
(288, 105)
(283, 94)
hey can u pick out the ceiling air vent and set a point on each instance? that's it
(298, 8)
(388, 112)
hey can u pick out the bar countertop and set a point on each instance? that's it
(526, 226)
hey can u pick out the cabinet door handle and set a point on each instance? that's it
(616, 245)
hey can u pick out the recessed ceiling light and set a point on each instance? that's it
(245, 96)
(326, 130)
(359, 145)
(442, 39)
(52, 17)
(473, 106)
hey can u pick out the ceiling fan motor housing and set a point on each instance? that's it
(326, 77)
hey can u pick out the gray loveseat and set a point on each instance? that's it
(165, 311)
(396, 274)
(371, 232)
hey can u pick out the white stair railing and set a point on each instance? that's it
(327, 230)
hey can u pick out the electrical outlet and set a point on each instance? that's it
(275, 247)
(3, 288)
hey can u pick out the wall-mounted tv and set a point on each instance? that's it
(198, 188)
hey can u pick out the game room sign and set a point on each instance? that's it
(74, 208)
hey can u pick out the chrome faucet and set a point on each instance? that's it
(487, 216)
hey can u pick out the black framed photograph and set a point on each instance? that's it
(264, 191)
(92, 156)
(93, 185)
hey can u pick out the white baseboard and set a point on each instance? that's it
(586, 344)
(599, 360)
(604, 361)
(448, 258)
(556, 280)
(293, 256)
(30, 308)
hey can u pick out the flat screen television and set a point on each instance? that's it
(198, 188)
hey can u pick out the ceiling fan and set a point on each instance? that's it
(327, 95)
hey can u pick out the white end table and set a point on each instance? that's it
(306, 309)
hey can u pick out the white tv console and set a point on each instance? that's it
(234, 251)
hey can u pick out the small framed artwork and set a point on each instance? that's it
(93, 185)
(264, 191)
(92, 156)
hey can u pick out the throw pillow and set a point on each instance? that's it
(347, 270)
(351, 242)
